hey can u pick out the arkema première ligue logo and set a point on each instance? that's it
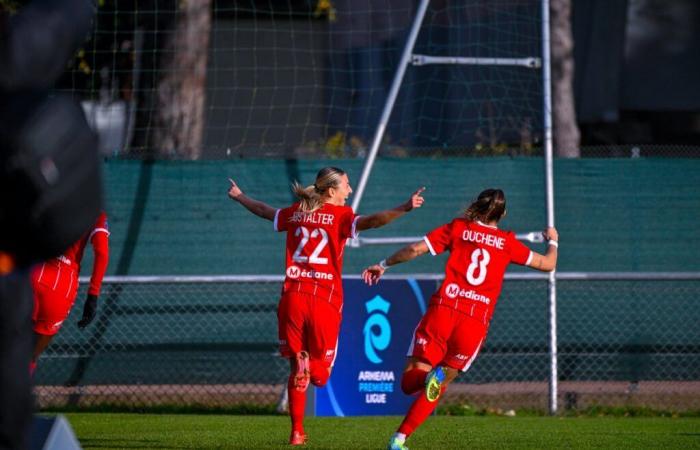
(377, 329)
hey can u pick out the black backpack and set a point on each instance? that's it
(50, 175)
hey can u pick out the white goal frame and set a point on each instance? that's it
(528, 63)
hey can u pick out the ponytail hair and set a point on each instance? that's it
(311, 197)
(489, 206)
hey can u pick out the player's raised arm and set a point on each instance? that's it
(372, 274)
(548, 261)
(382, 218)
(255, 206)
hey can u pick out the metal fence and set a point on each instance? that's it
(627, 339)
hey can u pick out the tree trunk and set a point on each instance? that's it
(566, 133)
(181, 87)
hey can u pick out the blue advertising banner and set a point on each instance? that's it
(377, 328)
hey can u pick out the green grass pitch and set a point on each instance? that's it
(185, 431)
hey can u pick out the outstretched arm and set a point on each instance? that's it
(548, 261)
(255, 206)
(382, 218)
(372, 274)
(100, 247)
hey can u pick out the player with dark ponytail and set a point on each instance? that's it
(454, 327)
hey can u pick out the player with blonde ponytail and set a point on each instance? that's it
(311, 197)
(309, 311)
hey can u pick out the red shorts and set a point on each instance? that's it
(308, 323)
(448, 337)
(55, 287)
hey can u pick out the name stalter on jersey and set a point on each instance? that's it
(311, 218)
(479, 255)
(314, 249)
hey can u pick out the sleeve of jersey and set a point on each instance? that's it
(349, 223)
(519, 252)
(438, 240)
(353, 230)
(100, 247)
(281, 221)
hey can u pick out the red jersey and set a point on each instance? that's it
(55, 282)
(74, 254)
(315, 244)
(479, 255)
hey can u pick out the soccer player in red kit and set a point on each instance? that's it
(55, 286)
(310, 308)
(454, 327)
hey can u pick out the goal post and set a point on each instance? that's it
(526, 62)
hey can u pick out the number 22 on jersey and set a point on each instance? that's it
(306, 236)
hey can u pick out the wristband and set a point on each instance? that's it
(554, 243)
(383, 264)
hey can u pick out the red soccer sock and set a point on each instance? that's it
(297, 404)
(417, 413)
(413, 381)
(319, 373)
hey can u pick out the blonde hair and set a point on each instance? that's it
(489, 206)
(310, 196)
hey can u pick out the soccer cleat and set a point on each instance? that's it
(396, 444)
(303, 373)
(433, 383)
(297, 438)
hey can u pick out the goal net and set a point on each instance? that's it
(308, 78)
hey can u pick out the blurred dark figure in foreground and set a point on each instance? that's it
(50, 179)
